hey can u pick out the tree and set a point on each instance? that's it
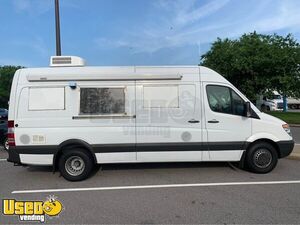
(6, 76)
(257, 64)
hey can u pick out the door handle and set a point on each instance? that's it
(213, 121)
(194, 121)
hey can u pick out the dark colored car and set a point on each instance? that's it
(3, 128)
(3, 134)
(3, 114)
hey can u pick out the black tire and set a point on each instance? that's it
(261, 157)
(75, 164)
(5, 144)
(268, 108)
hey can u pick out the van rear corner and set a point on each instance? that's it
(14, 157)
(13, 95)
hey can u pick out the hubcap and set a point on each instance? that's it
(262, 158)
(6, 145)
(74, 165)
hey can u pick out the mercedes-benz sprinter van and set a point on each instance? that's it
(72, 117)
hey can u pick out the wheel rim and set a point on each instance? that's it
(6, 145)
(75, 166)
(262, 158)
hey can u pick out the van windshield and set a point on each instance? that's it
(276, 97)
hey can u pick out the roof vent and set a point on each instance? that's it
(61, 61)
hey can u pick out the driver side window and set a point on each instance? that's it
(223, 99)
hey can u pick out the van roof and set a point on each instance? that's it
(130, 72)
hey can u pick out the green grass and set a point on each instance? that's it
(289, 117)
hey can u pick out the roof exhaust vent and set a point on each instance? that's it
(63, 61)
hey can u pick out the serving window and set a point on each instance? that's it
(102, 101)
(46, 98)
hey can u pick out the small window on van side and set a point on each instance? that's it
(223, 99)
(102, 101)
(46, 98)
(161, 96)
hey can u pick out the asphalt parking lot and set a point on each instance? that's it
(193, 193)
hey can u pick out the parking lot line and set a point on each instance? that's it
(156, 186)
(2, 160)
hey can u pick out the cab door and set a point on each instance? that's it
(227, 127)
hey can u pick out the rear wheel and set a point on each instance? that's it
(293, 107)
(262, 157)
(75, 164)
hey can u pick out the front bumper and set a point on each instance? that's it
(285, 148)
(274, 108)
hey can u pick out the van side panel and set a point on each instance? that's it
(168, 120)
(42, 127)
(36, 159)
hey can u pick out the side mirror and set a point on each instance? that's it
(247, 109)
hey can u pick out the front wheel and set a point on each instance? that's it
(262, 157)
(75, 165)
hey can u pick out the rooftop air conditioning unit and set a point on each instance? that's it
(62, 61)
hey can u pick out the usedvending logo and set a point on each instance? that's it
(33, 211)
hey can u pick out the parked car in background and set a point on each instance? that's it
(293, 103)
(3, 134)
(270, 103)
(3, 114)
(275, 102)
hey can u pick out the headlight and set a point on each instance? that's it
(287, 129)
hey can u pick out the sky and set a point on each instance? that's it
(135, 32)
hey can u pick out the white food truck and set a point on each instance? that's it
(72, 117)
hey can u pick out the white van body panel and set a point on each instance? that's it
(120, 157)
(267, 127)
(231, 156)
(46, 106)
(170, 156)
(262, 135)
(37, 159)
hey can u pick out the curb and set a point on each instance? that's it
(294, 125)
(295, 153)
(294, 156)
